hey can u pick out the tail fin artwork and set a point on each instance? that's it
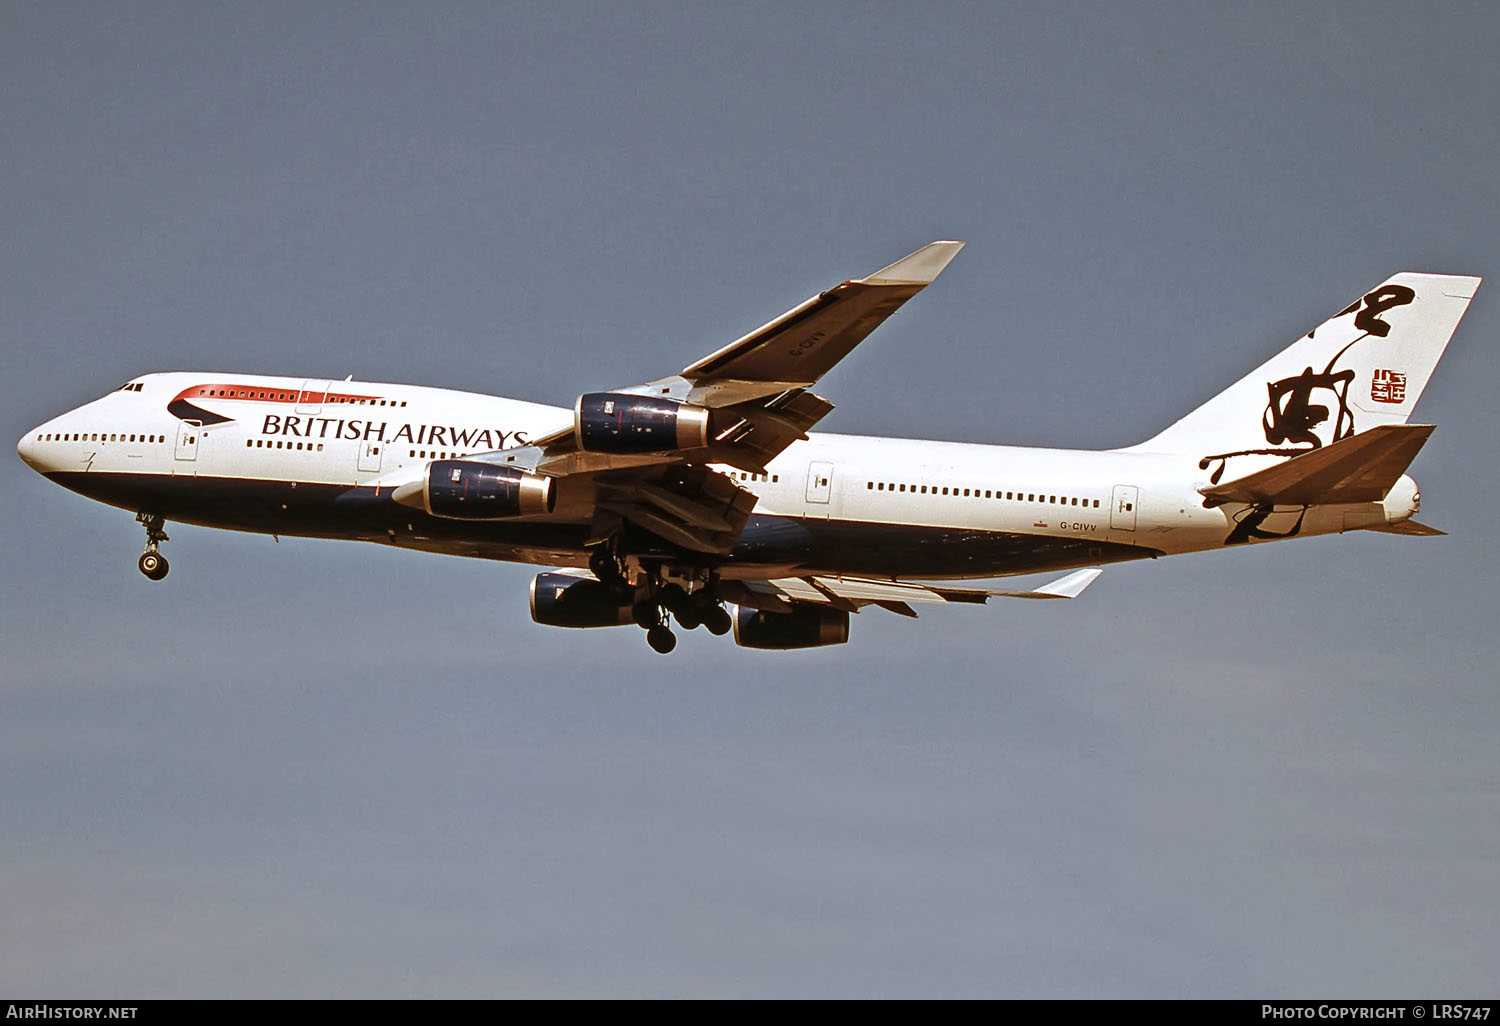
(1364, 368)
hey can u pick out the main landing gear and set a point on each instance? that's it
(654, 601)
(152, 563)
(665, 603)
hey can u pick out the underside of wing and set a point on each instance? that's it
(851, 593)
(691, 507)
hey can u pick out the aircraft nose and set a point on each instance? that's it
(33, 452)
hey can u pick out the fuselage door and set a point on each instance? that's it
(370, 451)
(819, 482)
(310, 398)
(189, 433)
(1122, 507)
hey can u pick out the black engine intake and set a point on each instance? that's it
(562, 600)
(805, 627)
(466, 490)
(615, 423)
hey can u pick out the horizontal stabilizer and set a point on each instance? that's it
(1410, 527)
(1361, 468)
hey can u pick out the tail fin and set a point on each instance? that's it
(1365, 367)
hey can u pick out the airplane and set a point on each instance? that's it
(684, 497)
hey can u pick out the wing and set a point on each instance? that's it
(649, 450)
(803, 344)
(850, 593)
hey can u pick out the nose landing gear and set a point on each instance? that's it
(152, 563)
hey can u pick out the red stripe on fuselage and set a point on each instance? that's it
(263, 394)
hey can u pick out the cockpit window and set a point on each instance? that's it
(130, 386)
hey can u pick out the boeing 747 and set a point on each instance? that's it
(672, 500)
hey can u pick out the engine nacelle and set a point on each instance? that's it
(466, 490)
(616, 423)
(806, 627)
(562, 600)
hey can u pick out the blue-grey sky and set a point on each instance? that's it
(324, 769)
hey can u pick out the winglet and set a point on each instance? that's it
(919, 268)
(1070, 586)
(1067, 587)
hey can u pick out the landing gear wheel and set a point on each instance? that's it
(152, 563)
(661, 639)
(681, 605)
(602, 566)
(646, 615)
(718, 621)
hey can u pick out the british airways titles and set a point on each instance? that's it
(444, 436)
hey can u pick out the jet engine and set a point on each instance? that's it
(562, 600)
(466, 490)
(612, 422)
(805, 627)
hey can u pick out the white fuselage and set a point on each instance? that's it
(232, 451)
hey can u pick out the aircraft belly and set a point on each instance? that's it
(815, 545)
